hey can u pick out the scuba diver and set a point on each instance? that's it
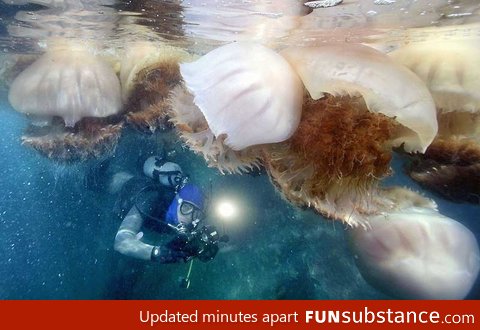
(170, 206)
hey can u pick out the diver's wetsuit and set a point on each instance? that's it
(148, 205)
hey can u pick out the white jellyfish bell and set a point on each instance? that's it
(69, 83)
(247, 92)
(417, 253)
(451, 71)
(387, 87)
(239, 95)
(449, 68)
(75, 96)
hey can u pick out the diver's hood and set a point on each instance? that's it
(190, 193)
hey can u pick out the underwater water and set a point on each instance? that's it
(57, 232)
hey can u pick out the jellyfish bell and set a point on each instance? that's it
(193, 128)
(71, 92)
(76, 95)
(417, 253)
(11, 65)
(71, 84)
(234, 98)
(263, 81)
(387, 87)
(450, 70)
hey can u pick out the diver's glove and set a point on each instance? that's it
(165, 255)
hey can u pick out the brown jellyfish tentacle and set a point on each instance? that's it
(450, 166)
(193, 129)
(147, 106)
(449, 68)
(148, 73)
(90, 138)
(399, 198)
(335, 160)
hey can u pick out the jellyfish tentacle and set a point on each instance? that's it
(148, 73)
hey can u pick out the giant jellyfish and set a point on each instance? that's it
(79, 94)
(79, 101)
(451, 71)
(73, 99)
(417, 253)
(71, 92)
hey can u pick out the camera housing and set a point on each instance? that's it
(201, 243)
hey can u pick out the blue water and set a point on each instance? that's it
(51, 227)
(56, 236)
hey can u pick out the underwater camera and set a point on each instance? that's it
(200, 243)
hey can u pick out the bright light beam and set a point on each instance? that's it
(226, 210)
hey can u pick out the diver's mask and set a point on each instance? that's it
(190, 213)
